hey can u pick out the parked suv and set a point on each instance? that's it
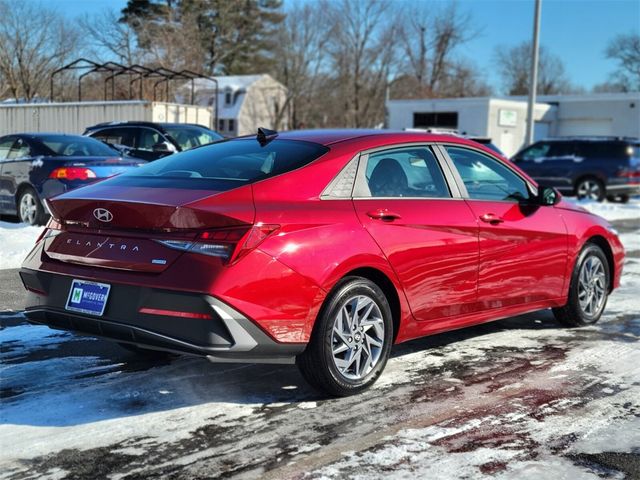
(150, 141)
(595, 168)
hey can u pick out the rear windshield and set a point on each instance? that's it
(224, 165)
(75, 146)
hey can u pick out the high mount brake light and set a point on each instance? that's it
(72, 173)
(230, 244)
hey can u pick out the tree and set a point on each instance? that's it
(34, 41)
(361, 49)
(429, 37)
(300, 57)
(515, 63)
(217, 36)
(110, 38)
(625, 50)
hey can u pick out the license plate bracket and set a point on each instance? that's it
(88, 297)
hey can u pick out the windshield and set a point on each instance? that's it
(75, 146)
(224, 165)
(192, 136)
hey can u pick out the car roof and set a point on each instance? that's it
(373, 136)
(592, 138)
(139, 123)
(39, 135)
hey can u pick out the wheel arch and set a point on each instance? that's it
(602, 242)
(388, 288)
(21, 188)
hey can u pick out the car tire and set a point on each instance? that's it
(145, 352)
(622, 198)
(330, 362)
(30, 210)
(588, 290)
(590, 188)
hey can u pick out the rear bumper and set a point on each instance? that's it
(224, 336)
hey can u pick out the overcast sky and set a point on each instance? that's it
(575, 30)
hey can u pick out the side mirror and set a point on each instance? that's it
(164, 147)
(548, 196)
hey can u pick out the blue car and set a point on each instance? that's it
(35, 166)
(591, 168)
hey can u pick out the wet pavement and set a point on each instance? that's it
(521, 397)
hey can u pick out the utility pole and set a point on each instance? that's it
(533, 78)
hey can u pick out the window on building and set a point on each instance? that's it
(435, 120)
(221, 124)
(228, 98)
(232, 125)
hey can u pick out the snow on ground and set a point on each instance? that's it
(16, 240)
(610, 211)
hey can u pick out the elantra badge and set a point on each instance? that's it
(103, 214)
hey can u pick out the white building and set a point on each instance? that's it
(504, 119)
(245, 102)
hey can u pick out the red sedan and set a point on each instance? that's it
(322, 248)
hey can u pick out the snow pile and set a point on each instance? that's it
(16, 240)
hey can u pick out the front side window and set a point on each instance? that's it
(537, 150)
(147, 138)
(486, 178)
(116, 136)
(405, 172)
(191, 136)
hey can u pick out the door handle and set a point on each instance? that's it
(383, 214)
(491, 218)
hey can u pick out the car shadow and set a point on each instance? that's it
(54, 378)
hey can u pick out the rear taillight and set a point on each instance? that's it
(52, 229)
(229, 244)
(632, 175)
(72, 173)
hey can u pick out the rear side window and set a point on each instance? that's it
(5, 146)
(603, 150)
(20, 149)
(405, 172)
(224, 165)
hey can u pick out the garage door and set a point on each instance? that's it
(600, 126)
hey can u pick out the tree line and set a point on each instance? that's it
(339, 59)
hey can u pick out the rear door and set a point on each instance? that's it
(523, 247)
(426, 231)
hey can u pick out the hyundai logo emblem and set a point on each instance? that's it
(103, 214)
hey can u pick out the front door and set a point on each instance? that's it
(523, 247)
(429, 236)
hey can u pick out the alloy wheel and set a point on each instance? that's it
(589, 189)
(358, 337)
(28, 208)
(592, 286)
